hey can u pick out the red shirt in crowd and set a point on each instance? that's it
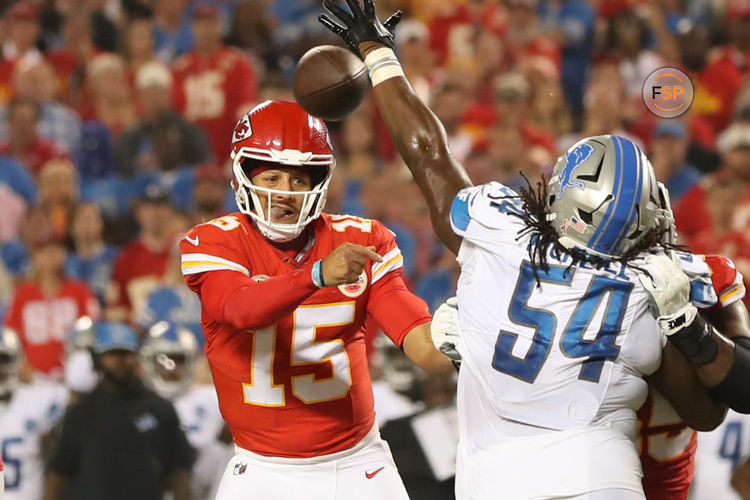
(137, 273)
(44, 323)
(41, 151)
(288, 359)
(214, 92)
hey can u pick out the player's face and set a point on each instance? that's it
(285, 208)
(119, 366)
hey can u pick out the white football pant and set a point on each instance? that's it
(366, 471)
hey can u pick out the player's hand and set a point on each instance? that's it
(345, 264)
(444, 329)
(668, 288)
(361, 25)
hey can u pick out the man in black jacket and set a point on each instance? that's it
(122, 440)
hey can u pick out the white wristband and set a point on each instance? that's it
(382, 64)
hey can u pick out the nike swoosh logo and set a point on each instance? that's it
(370, 475)
(194, 241)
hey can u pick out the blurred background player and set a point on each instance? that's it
(121, 414)
(28, 413)
(286, 290)
(169, 355)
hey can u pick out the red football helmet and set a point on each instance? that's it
(281, 132)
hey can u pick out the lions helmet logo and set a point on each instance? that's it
(573, 160)
(242, 130)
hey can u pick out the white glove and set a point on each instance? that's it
(669, 292)
(444, 329)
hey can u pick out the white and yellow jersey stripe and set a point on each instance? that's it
(196, 263)
(392, 260)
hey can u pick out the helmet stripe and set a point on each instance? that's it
(616, 183)
(626, 190)
(632, 156)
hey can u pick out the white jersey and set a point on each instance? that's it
(31, 412)
(719, 452)
(562, 355)
(201, 420)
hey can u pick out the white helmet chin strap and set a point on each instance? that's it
(248, 197)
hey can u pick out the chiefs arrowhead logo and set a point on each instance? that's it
(242, 130)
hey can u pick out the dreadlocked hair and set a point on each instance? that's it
(543, 236)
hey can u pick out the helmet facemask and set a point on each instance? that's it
(248, 195)
(168, 357)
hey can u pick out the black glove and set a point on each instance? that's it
(362, 25)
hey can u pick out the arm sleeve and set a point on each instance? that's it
(218, 272)
(727, 281)
(395, 310)
(478, 209)
(243, 303)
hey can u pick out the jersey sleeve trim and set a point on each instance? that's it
(392, 260)
(732, 294)
(196, 263)
(459, 215)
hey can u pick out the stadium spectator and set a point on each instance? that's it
(44, 308)
(121, 414)
(714, 209)
(24, 144)
(172, 34)
(449, 103)
(92, 260)
(58, 193)
(209, 193)
(109, 96)
(138, 45)
(57, 122)
(669, 149)
(21, 43)
(143, 262)
(626, 42)
(135, 148)
(574, 24)
(412, 40)
(17, 192)
(70, 60)
(217, 83)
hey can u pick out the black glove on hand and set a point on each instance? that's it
(362, 25)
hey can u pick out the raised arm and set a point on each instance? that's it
(418, 134)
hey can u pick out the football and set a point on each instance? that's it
(330, 82)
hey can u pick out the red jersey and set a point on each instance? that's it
(288, 359)
(667, 446)
(43, 323)
(136, 274)
(214, 92)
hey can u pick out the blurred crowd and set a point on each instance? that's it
(116, 118)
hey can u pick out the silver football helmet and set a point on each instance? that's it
(168, 356)
(603, 197)
(11, 357)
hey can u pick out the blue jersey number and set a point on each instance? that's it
(544, 323)
(11, 465)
